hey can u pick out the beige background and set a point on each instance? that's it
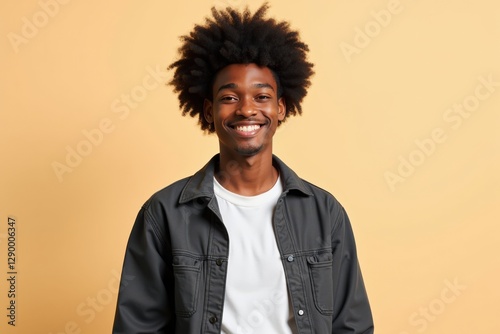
(374, 97)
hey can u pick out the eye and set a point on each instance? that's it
(228, 98)
(262, 98)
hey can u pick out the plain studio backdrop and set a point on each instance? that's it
(400, 124)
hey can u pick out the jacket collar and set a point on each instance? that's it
(201, 184)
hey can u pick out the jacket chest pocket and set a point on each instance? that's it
(186, 280)
(321, 276)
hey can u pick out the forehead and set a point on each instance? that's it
(244, 75)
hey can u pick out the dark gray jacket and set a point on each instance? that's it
(175, 265)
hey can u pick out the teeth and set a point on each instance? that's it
(248, 128)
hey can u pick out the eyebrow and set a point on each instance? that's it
(233, 85)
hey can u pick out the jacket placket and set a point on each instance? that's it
(217, 271)
(294, 267)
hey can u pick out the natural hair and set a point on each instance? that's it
(231, 37)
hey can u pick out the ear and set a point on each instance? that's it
(281, 109)
(208, 111)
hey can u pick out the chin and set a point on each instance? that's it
(249, 151)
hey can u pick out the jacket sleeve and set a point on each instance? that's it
(352, 313)
(144, 299)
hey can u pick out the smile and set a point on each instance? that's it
(247, 128)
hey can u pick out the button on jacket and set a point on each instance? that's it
(175, 264)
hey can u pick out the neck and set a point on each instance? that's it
(247, 175)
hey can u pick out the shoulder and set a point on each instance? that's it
(322, 195)
(156, 211)
(296, 184)
(171, 199)
(168, 195)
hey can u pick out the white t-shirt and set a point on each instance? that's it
(256, 299)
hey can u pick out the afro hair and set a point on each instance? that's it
(231, 37)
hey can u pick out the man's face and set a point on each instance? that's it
(245, 109)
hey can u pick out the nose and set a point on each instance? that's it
(246, 108)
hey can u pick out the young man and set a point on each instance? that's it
(244, 245)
